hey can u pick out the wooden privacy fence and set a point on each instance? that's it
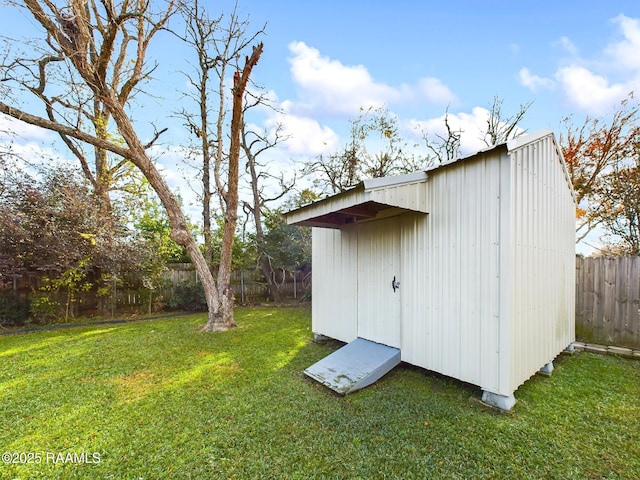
(608, 301)
(249, 286)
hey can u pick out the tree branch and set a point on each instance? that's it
(63, 130)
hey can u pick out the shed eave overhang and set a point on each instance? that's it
(353, 213)
(367, 201)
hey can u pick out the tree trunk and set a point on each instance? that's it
(223, 317)
(206, 173)
(268, 271)
(180, 232)
(256, 210)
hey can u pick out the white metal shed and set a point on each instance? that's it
(468, 269)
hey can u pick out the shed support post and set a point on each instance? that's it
(503, 402)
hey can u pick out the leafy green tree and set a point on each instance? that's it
(601, 155)
(69, 282)
(287, 246)
(619, 200)
(243, 252)
(153, 226)
(153, 234)
(53, 227)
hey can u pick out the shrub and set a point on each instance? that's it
(188, 296)
(14, 311)
(45, 306)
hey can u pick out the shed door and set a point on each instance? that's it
(378, 265)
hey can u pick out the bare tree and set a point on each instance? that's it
(88, 36)
(77, 106)
(255, 144)
(200, 31)
(218, 45)
(445, 148)
(373, 129)
(218, 49)
(240, 80)
(500, 129)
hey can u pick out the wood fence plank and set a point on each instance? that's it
(608, 301)
(621, 284)
(579, 307)
(632, 313)
(589, 294)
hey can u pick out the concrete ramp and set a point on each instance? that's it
(354, 366)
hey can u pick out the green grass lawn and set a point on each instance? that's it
(159, 399)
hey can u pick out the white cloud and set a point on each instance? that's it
(304, 135)
(182, 175)
(328, 86)
(624, 54)
(331, 86)
(567, 45)
(27, 145)
(595, 85)
(532, 81)
(590, 92)
(434, 91)
(30, 155)
(11, 128)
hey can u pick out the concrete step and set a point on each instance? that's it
(354, 366)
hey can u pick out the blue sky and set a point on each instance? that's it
(418, 58)
(322, 61)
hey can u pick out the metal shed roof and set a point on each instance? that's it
(372, 198)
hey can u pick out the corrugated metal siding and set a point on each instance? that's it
(450, 266)
(411, 196)
(542, 259)
(334, 287)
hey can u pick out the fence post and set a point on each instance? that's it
(295, 291)
(114, 305)
(242, 286)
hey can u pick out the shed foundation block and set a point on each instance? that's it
(503, 402)
(547, 369)
(319, 338)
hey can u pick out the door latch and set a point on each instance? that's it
(395, 284)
